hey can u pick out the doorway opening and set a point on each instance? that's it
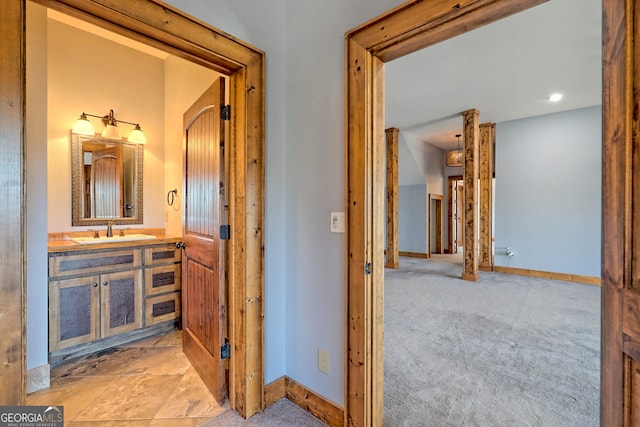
(403, 30)
(169, 29)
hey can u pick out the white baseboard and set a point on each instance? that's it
(38, 378)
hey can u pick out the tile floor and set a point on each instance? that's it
(148, 383)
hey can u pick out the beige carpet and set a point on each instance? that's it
(283, 413)
(504, 351)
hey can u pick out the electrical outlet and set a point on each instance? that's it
(323, 361)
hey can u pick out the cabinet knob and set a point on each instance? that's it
(180, 245)
(95, 285)
(105, 283)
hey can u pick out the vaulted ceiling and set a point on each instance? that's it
(506, 70)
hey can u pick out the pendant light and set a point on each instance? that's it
(455, 158)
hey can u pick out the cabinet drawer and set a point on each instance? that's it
(161, 279)
(162, 255)
(93, 262)
(162, 307)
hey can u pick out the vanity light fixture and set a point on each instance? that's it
(83, 127)
(455, 158)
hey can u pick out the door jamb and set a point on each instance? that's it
(453, 244)
(439, 249)
(165, 27)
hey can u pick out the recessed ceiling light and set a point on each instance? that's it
(555, 97)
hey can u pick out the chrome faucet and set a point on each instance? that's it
(110, 227)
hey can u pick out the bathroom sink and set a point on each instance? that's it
(114, 239)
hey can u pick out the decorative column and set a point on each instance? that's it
(487, 139)
(392, 260)
(471, 135)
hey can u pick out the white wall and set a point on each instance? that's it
(412, 218)
(548, 192)
(315, 184)
(36, 158)
(88, 73)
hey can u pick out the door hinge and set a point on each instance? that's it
(225, 350)
(225, 232)
(225, 112)
(367, 268)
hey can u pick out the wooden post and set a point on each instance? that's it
(392, 260)
(471, 135)
(487, 138)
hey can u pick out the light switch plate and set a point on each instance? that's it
(337, 222)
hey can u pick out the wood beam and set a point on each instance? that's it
(471, 136)
(392, 260)
(487, 139)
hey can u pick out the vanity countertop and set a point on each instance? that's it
(63, 242)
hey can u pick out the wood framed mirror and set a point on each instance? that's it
(106, 181)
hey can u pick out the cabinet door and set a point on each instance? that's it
(121, 302)
(74, 311)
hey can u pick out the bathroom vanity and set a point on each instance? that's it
(104, 293)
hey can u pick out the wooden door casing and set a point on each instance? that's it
(203, 290)
(620, 351)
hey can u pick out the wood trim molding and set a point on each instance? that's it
(438, 218)
(167, 28)
(619, 232)
(407, 28)
(414, 254)
(567, 277)
(275, 391)
(318, 406)
(392, 198)
(12, 222)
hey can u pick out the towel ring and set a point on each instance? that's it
(171, 196)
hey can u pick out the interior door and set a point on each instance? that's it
(203, 288)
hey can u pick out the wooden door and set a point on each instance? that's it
(203, 290)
